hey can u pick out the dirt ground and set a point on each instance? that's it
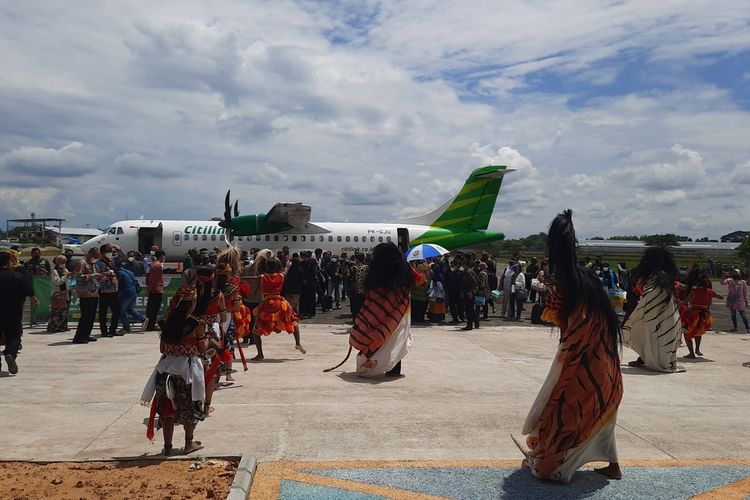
(166, 480)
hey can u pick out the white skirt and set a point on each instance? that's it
(393, 351)
(189, 368)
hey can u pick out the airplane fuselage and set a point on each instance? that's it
(177, 237)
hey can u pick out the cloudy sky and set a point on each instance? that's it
(636, 114)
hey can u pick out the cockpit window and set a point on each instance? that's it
(119, 230)
(111, 230)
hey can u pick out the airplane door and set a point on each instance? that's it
(403, 239)
(148, 237)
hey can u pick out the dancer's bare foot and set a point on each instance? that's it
(690, 356)
(611, 471)
(300, 349)
(257, 358)
(230, 378)
(191, 446)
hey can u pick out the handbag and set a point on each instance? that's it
(479, 300)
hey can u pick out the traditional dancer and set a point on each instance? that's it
(572, 420)
(699, 318)
(211, 316)
(237, 325)
(274, 314)
(653, 328)
(382, 328)
(176, 389)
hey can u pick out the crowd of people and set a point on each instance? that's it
(232, 298)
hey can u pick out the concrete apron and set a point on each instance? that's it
(463, 394)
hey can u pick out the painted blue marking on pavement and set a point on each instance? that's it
(291, 490)
(474, 483)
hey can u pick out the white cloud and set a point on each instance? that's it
(741, 175)
(387, 103)
(71, 160)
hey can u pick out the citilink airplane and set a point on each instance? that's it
(460, 222)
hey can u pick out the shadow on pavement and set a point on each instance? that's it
(636, 370)
(356, 379)
(696, 360)
(522, 484)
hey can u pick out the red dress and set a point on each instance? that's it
(274, 314)
(699, 317)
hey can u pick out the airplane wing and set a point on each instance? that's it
(295, 215)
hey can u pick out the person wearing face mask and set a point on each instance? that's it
(58, 318)
(155, 286)
(87, 280)
(149, 259)
(134, 264)
(109, 298)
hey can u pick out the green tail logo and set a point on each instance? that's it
(471, 209)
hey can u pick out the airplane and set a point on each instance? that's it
(460, 222)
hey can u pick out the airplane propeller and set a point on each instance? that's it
(226, 223)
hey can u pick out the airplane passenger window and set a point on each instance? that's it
(275, 237)
(257, 237)
(119, 230)
(294, 238)
(302, 238)
(356, 238)
(380, 239)
(195, 237)
(286, 237)
(204, 237)
(221, 237)
(372, 239)
(213, 237)
(177, 236)
(330, 238)
(338, 238)
(348, 239)
(388, 239)
(268, 238)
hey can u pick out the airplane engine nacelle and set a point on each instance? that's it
(250, 225)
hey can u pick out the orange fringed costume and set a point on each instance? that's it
(699, 318)
(240, 312)
(274, 314)
(573, 418)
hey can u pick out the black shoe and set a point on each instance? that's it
(467, 328)
(121, 333)
(91, 339)
(12, 366)
(106, 335)
(81, 341)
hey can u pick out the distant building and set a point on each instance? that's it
(72, 235)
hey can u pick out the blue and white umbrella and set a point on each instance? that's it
(425, 251)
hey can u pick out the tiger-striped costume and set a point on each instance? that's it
(381, 331)
(573, 418)
(653, 329)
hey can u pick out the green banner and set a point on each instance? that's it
(43, 291)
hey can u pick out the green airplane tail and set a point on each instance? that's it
(472, 207)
